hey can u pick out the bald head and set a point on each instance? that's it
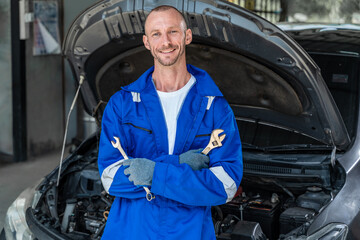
(164, 8)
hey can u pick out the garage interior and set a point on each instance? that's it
(37, 91)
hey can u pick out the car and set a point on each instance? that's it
(294, 90)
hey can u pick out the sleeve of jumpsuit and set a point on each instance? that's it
(111, 170)
(206, 187)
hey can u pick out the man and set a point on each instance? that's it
(162, 120)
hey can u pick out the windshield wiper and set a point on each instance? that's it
(298, 147)
(287, 147)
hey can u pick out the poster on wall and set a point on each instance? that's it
(46, 28)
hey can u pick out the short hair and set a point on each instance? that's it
(162, 8)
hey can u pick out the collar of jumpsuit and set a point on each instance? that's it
(206, 87)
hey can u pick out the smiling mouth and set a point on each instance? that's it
(167, 51)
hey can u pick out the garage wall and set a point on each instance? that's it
(6, 139)
(44, 100)
(48, 77)
(50, 88)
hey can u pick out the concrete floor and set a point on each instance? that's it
(16, 177)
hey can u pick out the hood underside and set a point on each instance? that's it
(263, 74)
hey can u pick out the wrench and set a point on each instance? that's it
(117, 144)
(215, 141)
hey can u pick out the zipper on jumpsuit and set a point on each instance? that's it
(164, 209)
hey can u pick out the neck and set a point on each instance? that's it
(170, 78)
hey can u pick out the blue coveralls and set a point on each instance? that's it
(182, 206)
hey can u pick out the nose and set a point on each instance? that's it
(166, 39)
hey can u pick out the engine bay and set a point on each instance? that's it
(79, 207)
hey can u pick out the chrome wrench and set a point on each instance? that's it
(117, 144)
(215, 141)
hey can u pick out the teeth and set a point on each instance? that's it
(168, 51)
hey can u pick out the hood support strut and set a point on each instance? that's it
(333, 152)
(81, 81)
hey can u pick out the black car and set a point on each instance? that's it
(295, 96)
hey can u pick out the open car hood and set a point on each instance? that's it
(263, 73)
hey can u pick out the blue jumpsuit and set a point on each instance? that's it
(183, 197)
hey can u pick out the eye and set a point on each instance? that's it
(155, 34)
(173, 31)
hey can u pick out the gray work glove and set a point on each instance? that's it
(195, 159)
(139, 171)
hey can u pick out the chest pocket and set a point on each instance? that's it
(140, 134)
(202, 138)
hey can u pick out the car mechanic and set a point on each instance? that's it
(163, 120)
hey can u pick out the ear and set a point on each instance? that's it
(188, 36)
(146, 43)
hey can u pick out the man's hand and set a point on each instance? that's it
(139, 170)
(195, 159)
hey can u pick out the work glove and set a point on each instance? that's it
(139, 171)
(195, 159)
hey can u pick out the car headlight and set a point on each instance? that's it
(15, 226)
(332, 231)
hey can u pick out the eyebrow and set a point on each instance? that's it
(172, 27)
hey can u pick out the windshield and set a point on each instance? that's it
(341, 74)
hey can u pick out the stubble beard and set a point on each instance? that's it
(170, 62)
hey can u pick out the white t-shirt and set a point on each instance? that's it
(171, 103)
